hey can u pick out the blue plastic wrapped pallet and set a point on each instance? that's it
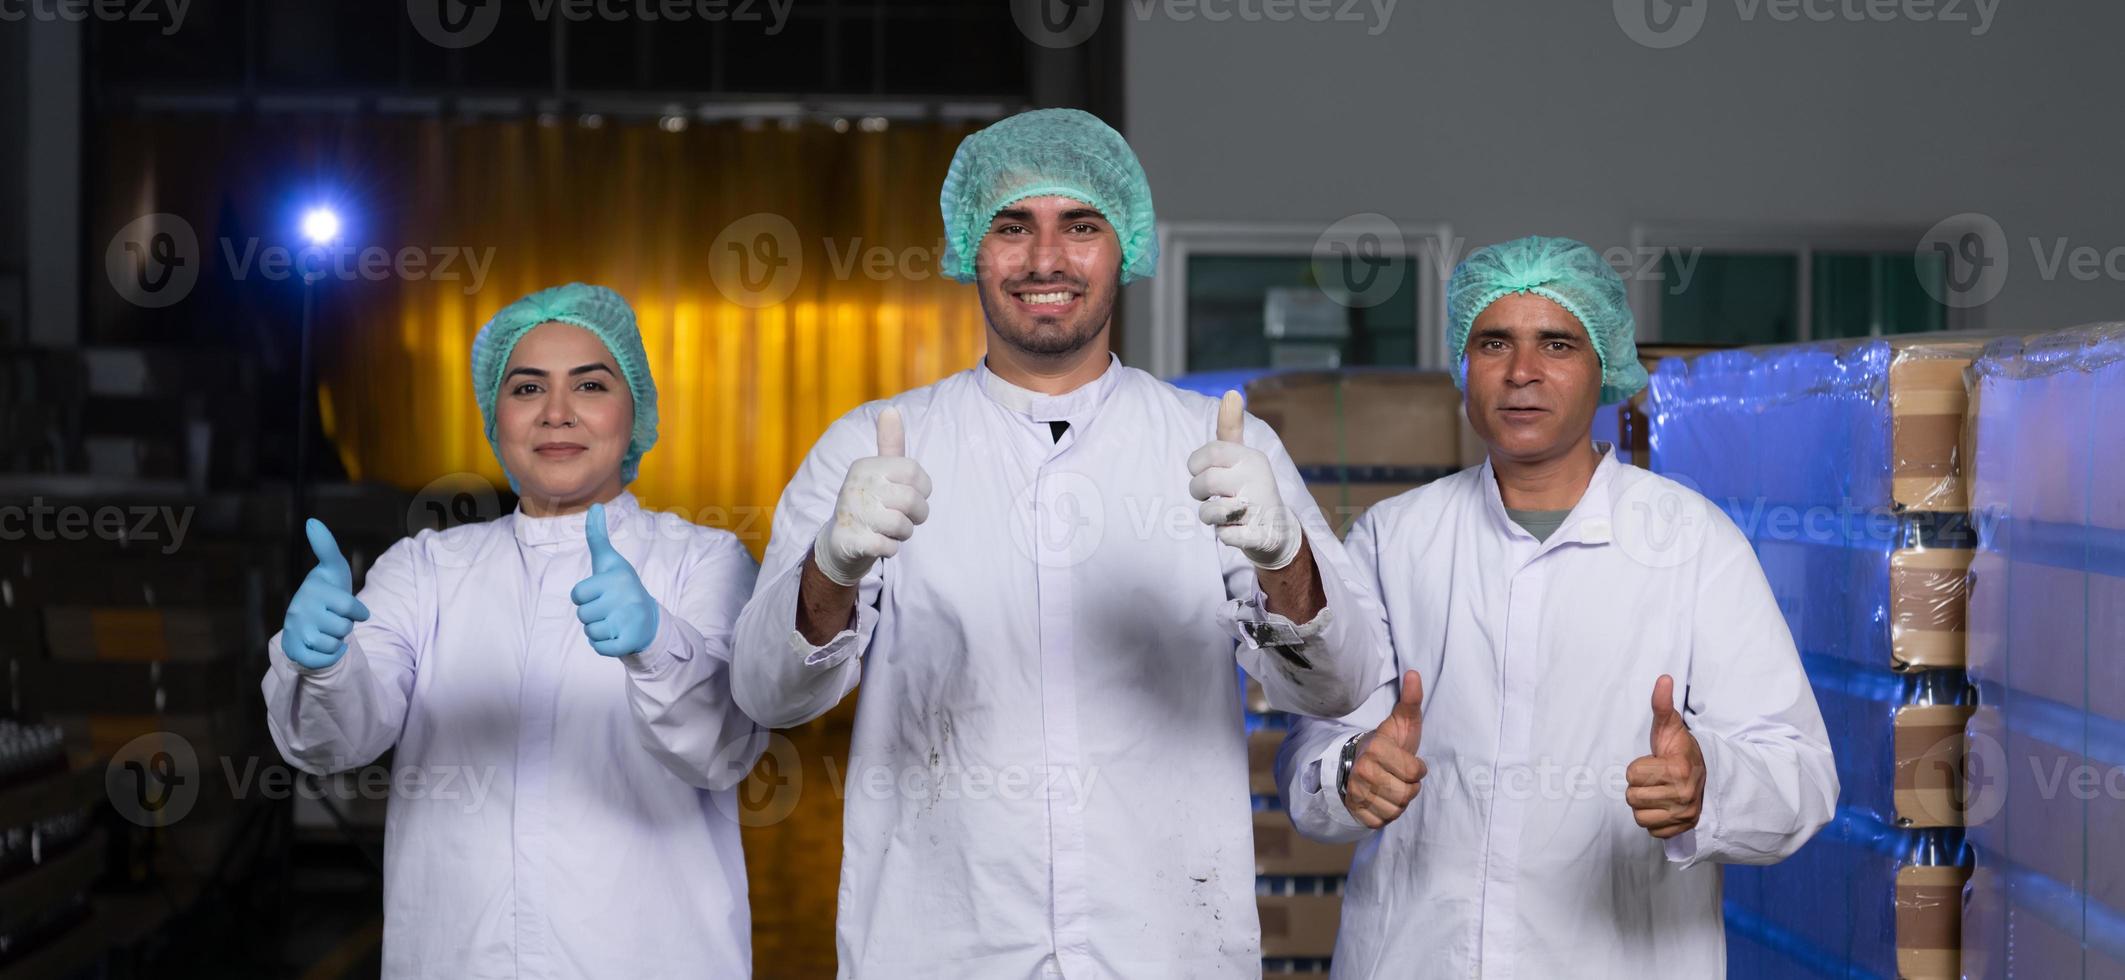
(1841, 463)
(2047, 656)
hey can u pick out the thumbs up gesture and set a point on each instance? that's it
(882, 499)
(1666, 789)
(1239, 493)
(1387, 772)
(324, 609)
(618, 614)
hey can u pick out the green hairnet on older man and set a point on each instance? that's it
(1565, 272)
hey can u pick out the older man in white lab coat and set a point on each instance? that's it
(1048, 772)
(1598, 701)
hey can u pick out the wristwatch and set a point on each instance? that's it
(1349, 759)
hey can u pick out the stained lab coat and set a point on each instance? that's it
(1519, 856)
(1048, 773)
(554, 812)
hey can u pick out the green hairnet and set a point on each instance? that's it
(594, 308)
(1061, 152)
(1565, 272)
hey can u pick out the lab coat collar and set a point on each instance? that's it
(1591, 519)
(1071, 406)
(568, 528)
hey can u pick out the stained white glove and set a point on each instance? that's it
(1239, 494)
(882, 499)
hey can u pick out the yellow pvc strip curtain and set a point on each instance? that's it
(781, 278)
(782, 275)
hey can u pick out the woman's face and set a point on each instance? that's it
(563, 417)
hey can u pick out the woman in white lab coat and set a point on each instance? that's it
(554, 682)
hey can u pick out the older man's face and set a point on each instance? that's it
(1049, 269)
(1534, 380)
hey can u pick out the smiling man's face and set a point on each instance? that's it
(1049, 269)
(1534, 380)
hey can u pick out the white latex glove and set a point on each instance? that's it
(1239, 494)
(882, 499)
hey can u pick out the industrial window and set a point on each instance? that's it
(1745, 287)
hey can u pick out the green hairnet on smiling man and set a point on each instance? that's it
(1042, 153)
(1565, 272)
(594, 308)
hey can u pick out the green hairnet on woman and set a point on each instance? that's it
(555, 686)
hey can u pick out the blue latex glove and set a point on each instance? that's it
(324, 610)
(618, 615)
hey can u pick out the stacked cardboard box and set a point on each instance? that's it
(1298, 882)
(2047, 637)
(1359, 437)
(1842, 464)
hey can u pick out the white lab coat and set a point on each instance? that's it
(554, 813)
(1519, 856)
(1048, 771)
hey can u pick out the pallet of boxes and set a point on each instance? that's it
(1357, 437)
(1841, 462)
(2046, 792)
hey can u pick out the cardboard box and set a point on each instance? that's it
(1261, 760)
(1928, 593)
(1279, 849)
(1299, 925)
(1927, 402)
(1928, 759)
(1342, 503)
(1405, 419)
(1929, 904)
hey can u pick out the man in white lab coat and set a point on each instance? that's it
(555, 685)
(1041, 571)
(1598, 701)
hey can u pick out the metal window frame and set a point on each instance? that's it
(1427, 244)
(1801, 241)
